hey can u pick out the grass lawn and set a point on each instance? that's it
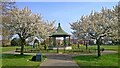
(5, 49)
(21, 61)
(106, 47)
(12, 48)
(93, 47)
(0, 60)
(92, 60)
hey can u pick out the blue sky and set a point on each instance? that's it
(64, 12)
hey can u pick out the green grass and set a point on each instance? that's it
(12, 48)
(5, 49)
(11, 60)
(93, 47)
(19, 60)
(106, 47)
(92, 60)
(0, 60)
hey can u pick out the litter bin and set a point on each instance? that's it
(39, 56)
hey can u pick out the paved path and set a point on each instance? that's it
(59, 61)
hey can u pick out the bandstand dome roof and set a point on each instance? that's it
(59, 32)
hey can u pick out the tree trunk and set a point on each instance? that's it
(78, 46)
(99, 54)
(118, 41)
(98, 47)
(57, 49)
(22, 46)
(22, 43)
(86, 46)
(22, 49)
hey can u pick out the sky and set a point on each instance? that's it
(64, 12)
(66, 0)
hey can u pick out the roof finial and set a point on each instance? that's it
(58, 24)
